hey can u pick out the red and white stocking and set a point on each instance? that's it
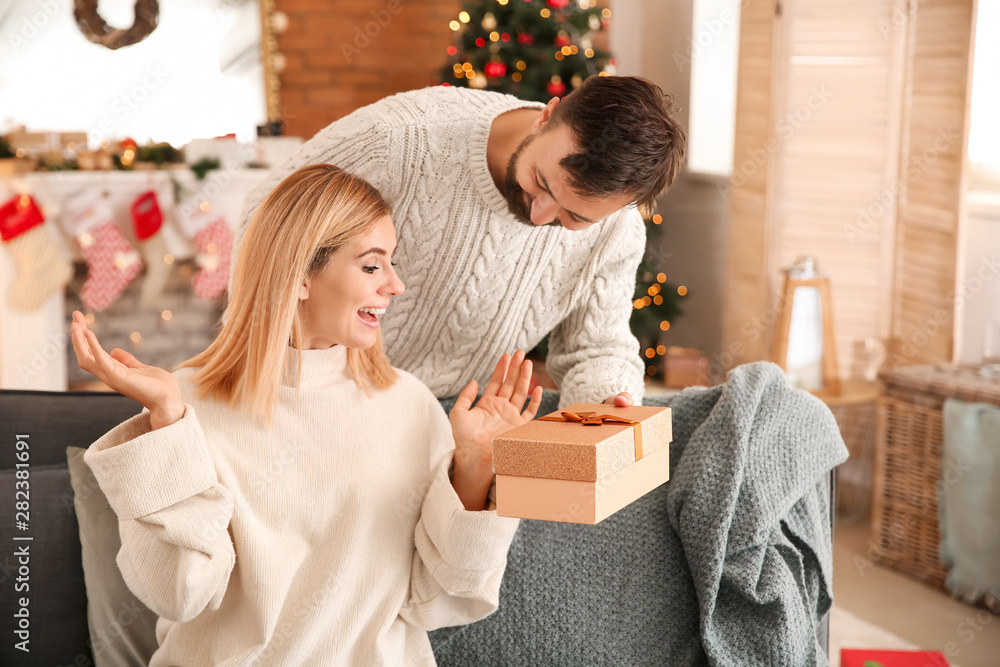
(214, 238)
(112, 263)
(42, 269)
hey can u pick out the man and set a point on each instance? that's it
(514, 220)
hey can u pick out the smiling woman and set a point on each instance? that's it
(207, 54)
(381, 502)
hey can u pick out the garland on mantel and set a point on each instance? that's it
(97, 30)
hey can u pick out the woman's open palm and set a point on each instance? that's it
(153, 387)
(499, 408)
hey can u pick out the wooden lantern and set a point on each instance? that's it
(806, 313)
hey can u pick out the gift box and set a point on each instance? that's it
(581, 464)
(866, 657)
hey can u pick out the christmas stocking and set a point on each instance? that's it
(41, 267)
(111, 262)
(214, 238)
(147, 219)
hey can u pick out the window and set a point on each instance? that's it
(984, 128)
(713, 53)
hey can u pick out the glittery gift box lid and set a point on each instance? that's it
(574, 451)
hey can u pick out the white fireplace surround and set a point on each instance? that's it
(33, 344)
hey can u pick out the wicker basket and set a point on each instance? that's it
(908, 463)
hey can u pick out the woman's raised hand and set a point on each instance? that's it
(153, 387)
(498, 409)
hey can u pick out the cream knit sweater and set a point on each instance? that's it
(332, 538)
(478, 282)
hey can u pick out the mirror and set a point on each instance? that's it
(200, 73)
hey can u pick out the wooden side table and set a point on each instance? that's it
(855, 412)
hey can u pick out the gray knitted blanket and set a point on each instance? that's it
(729, 563)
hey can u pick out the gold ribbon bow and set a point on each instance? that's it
(594, 419)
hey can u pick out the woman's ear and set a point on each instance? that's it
(304, 289)
(546, 114)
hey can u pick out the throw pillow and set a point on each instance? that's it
(122, 629)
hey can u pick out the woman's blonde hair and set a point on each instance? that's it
(310, 215)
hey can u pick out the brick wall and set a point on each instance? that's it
(343, 54)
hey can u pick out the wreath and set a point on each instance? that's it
(98, 31)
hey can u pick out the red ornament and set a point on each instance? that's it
(562, 39)
(128, 143)
(525, 38)
(495, 69)
(556, 87)
(558, 4)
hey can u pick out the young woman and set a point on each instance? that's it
(288, 498)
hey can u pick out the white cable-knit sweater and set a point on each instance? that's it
(478, 282)
(334, 537)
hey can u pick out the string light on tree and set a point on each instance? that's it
(535, 49)
(655, 302)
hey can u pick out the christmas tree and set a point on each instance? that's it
(533, 49)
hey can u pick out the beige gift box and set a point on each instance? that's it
(559, 468)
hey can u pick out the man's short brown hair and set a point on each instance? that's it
(630, 142)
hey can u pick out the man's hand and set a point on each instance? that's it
(622, 400)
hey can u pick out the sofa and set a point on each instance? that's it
(44, 592)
